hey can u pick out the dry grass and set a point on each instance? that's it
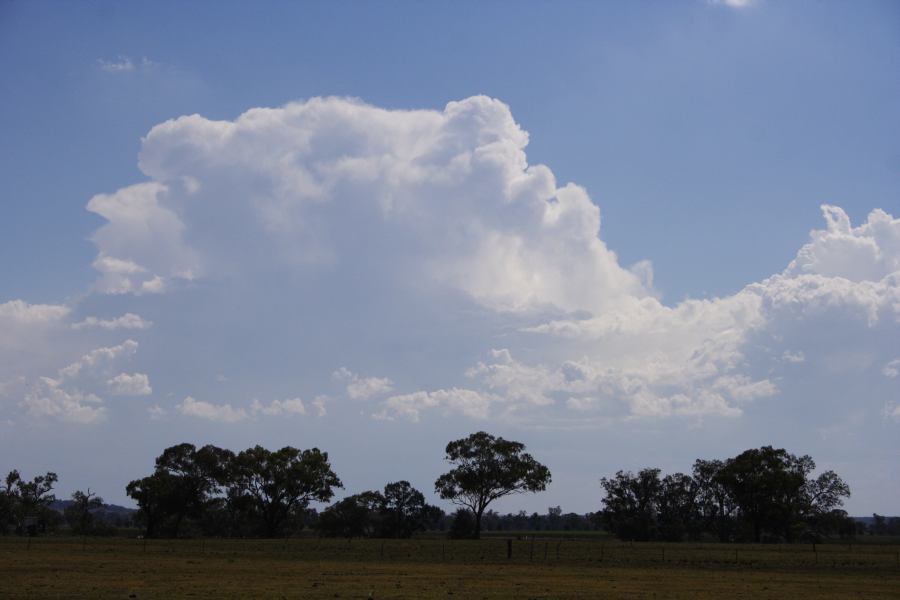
(430, 569)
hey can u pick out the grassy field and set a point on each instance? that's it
(544, 568)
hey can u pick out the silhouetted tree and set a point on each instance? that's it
(487, 468)
(768, 486)
(764, 492)
(195, 476)
(462, 525)
(404, 509)
(398, 512)
(676, 508)
(433, 518)
(79, 514)
(354, 516)
(154, 495)
(280, 483)
(185, 482)
(714, 504)
(9, 502)
(630, 505)
(33, 498)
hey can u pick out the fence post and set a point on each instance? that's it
(545, 550)
(509, 548)
(557, 549)
(531, 551)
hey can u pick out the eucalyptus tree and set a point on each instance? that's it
(278, 484)
(486, 468)
(79, 514)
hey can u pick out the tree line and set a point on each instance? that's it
(763, 494)
(265, 493)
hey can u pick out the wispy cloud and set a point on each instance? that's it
(121, 64)
(125, 64)
(733, 3)
(126, 321)
(278, 407)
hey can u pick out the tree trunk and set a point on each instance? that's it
(178, 524)
(477, 534)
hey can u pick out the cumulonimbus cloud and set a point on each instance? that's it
(330, 182)
(291, 185)
(349, 197)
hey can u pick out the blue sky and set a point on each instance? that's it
(708, 135)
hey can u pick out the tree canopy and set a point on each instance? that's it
(397, 512)
(486, 468)
(281, 482)
(762, 493)
(24, 504)
(255, 492)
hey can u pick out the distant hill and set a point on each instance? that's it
(111, 514)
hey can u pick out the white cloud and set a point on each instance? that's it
(319, 404)
(125, 64)
(793, 357)
(516, 381)
(75, 393)
(443, 204)
(733, 3)
(362, 388)
(714, 357)
(99, 360)
(125, 384)
(48, 398)
(31, 336)
(141, 245)
(223, 413)
(410, 406)
(121, 64)
(156, 412)
(455, 185)
(278, 407)
(869, 252)
(20, 312)
(126, 321)
(891, 369)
